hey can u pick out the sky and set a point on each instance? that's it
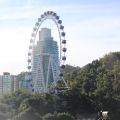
(92, 29)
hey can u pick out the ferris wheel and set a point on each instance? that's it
(62, 47)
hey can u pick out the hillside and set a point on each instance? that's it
(99, 82)
(93, 87)
(97, 75)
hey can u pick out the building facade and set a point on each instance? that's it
(45, 66)
(23, 81)
(8, 83)
(15, 83)
(1, 86)
(5, 83)
(11, 83)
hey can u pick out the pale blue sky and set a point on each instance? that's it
(92, 29)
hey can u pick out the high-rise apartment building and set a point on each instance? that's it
(23, 81)
(1, 86)
(15, 83)
(8, 83)
(45, 67)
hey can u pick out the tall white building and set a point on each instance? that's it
(45, 67)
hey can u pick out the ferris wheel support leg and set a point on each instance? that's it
(54, 77)
(65, 82)
(48, 74)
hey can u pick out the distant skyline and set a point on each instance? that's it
(92, 29)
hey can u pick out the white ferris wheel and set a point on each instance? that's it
(39, 84)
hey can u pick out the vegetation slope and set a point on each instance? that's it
(92, 88)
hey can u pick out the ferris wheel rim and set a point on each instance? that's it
(53, 16)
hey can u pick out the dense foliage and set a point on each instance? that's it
(93, 87)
